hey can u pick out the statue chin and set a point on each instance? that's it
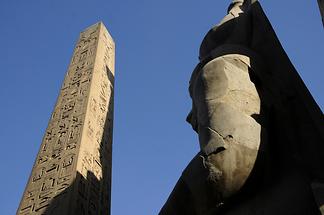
(228, 162)
(229, 169)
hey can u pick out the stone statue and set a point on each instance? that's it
(321, 7)
(260, 132)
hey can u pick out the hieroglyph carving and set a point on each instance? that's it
(79, 135)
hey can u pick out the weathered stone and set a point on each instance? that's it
(72, 171)
(227, 79)
(233, 165)
(205, 87)
(231, 123)
(261, 134)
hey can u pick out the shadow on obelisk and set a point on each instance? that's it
(90, 195)
(288, 176)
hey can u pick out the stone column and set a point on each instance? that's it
(72, 171)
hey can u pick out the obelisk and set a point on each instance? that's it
(72, 171)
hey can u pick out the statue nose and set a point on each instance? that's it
(189, 117)
(192, 120)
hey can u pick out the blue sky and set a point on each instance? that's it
(156, 50)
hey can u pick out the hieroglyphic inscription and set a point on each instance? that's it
(75, 150)
(95, 156)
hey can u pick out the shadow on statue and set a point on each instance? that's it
(288, 174)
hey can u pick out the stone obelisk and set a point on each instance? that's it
(72, 171)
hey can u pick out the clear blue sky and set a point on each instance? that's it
(156, 50)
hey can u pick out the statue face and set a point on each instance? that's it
(208, 86)
(224, 98)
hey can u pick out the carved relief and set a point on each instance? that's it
(93, 106)
(67, 167)
(27, 204)
(55, 168)
(38, 174)
(90, 130)
(109, 49)
(42, 159)
(43, 199)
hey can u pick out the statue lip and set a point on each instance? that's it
(213, 144)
